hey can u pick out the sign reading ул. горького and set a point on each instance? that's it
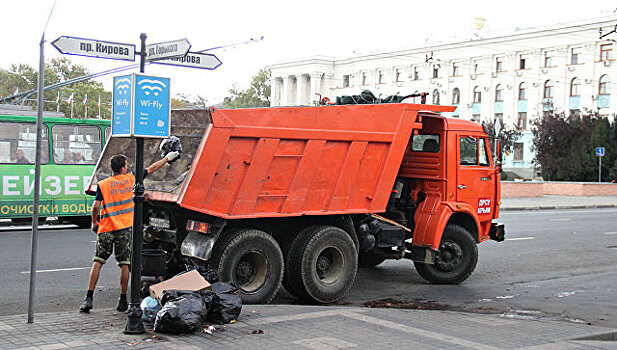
(141, 106)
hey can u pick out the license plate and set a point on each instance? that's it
(160, 223)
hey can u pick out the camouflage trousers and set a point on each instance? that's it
(118, 241)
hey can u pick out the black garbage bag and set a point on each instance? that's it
(208, 274)
(226, 304)
(182, 312)
(171, 144)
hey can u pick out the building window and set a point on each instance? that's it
(548, 59)
(548, 89)
(606, 51)
(522, 92)
(416, 73)
(456, 96)
(475, 118)
(521, 122)
(522, 62)
(346, 80)
(498, 93)
(574, 55)
(435, 97)
(576, 82)
(397, 75)
(363, 78)
(455, 71)
(499, 65)
(603, 87)
(518, 151)
(379, 77)
(436, 71)
(477, 95)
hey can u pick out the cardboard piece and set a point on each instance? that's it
(191, 280)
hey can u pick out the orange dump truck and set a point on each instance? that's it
(302, 196)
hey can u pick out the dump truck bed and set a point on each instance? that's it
(275, 162)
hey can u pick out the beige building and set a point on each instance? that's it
(513, 76)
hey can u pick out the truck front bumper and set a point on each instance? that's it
(497, 232)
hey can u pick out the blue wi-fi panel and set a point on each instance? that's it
(151, 107)
(122, 104)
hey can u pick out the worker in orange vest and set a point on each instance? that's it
(114, 204)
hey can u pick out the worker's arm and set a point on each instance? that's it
(159, 164)
(95, 215)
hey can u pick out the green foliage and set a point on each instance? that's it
(565, 146)
(257, 95)
(25, 78)
(181, 101)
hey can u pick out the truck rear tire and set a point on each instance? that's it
(289, 244)
(369, 259)
(456, 260)
(323, 264)
(252, 260)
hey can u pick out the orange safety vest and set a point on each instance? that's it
(117, 208)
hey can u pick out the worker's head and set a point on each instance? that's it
(118, 164)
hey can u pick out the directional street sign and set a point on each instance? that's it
(167, 49)
(193, 60)
(94, 48)
(600, 151)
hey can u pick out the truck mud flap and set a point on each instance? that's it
(422, 254)
(497, 232)
(198, 245)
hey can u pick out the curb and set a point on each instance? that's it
(554, 207)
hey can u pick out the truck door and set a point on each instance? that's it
(476, 177)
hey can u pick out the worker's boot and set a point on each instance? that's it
(122, 305)
(86, 306)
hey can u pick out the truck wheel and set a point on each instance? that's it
(252, 260)
(456, 260)
(323, 264)
(289, 244)
(369, 259)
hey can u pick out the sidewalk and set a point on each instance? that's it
(312, 327)
(557, 202)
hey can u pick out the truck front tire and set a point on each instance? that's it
(252, 260)
(456, 260)
(322, 264)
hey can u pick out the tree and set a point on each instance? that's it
(565, 146)
(257, 95)
(182, 101)
(507, 136)
(25, 78)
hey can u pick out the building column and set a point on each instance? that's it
(300, 89)
(315, 86)
(275, 99)
(285, 92)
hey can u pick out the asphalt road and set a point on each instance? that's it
(554, 263)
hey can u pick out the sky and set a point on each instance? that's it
(291, 30)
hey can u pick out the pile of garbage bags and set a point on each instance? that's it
(185, 311)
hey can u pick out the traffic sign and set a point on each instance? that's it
(600, 151)
(193, 60)
(94, 48)
(167, 49)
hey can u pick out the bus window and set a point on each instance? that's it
(76, 144)
(18, 143)
(107, 133)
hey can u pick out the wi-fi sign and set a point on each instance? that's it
(151, 86)
(123, 86)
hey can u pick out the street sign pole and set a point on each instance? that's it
(600, 169)
(134, 325)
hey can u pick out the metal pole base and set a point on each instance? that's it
(133, 320)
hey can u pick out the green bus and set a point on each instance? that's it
(74, 145)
